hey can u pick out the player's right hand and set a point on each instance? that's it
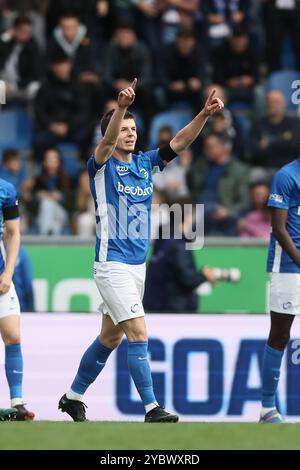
(126, 96)
(5, 283)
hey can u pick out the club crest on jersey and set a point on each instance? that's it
(144, 173)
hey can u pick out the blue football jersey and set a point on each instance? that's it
(122, 194)
(8, 198)
(285, 194)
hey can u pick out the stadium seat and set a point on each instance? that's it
(16, 130)
(175, 119)
(282, 80)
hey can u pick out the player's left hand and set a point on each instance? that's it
(5, 283)
(212, 104)
(126, 96)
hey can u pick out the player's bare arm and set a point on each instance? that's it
(279, 218)
(186, 136)
(12, 244)
(108, 143)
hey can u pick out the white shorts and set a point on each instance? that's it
(9, 303)
(285, 293)
(121, 287)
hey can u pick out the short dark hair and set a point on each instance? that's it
(21, 20)
(107, 117)
(69, 15)
(58, 57)
(10, 154)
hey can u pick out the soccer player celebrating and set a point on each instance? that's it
(121, 184)
(9, 303)
(284, 268)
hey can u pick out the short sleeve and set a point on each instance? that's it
(281, 190)
(11, 199)
(10, 206)
(156, 162)
(93, 166)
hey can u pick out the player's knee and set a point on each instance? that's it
(111, 342)
(279, 340)
(11, 338)
(137, 335)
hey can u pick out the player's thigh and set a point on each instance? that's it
(285, 294)
(110, 335)
(135, 329)
(118, 287)
(10, 317)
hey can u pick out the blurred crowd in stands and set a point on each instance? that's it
(64, 62)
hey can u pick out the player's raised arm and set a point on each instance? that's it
(108, 143)
(186, 136)
(279, 218)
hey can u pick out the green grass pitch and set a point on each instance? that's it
(181, 436)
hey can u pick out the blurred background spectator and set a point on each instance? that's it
(257, 221)
(220, 182)
(64, 63)
(275, 136)
(52, 190)
(20, 60)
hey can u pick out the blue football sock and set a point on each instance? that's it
(91, 364)
(271, 371)
(14, 369)
(139, 369)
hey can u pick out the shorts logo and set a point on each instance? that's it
(287, 305)
(134, 308)
(276, 198)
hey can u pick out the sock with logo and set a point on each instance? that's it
(14, 372)
(91, 364)
(137, 356)
(270, 376)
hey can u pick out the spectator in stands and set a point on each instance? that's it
(281, 18)
(92, 13)
(85, 210)
(182, 69)
(275, 136)
(220, 183)
(127, 58)
(12, 169)
(225, 124)
(20, 61)
(62, 109)
(221, 15)
(70, 37)
(256, 222)
(172, 277)
(177, 14)
(52, 192)
(236, 66)
(173, 180)
(34, 9)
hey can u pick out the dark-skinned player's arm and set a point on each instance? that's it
(108, 143)
(278, 218)
(186, 136)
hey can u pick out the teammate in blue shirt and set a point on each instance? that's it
(121, 185)
(9, 302)
(284, 268)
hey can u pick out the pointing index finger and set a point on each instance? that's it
(133, 85)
